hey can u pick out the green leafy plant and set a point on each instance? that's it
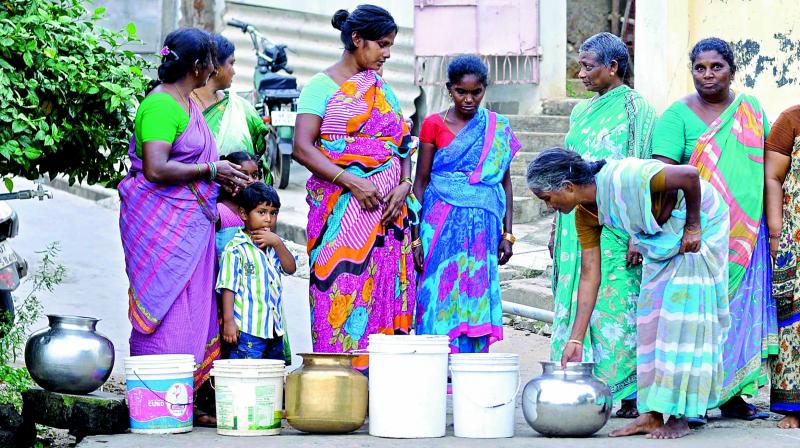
(68, 91)
(48, 275)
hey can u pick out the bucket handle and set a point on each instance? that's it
(159, 397)
(365, 351)
(505, 402)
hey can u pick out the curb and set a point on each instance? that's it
(291, 227)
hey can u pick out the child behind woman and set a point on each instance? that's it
(249, 279)
(229, 220)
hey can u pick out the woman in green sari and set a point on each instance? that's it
(232, 119)
(722, 133)
(615, 123)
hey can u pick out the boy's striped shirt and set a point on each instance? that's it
(254, 277)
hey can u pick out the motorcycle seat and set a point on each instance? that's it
(274, 81)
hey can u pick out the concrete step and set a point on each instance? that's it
(519, 166)
(559, 106)
(533, 292)
(528, 209)
(520, 185)
(538, 141)
(539, 123)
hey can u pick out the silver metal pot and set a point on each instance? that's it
(567, 402)
(69, 356)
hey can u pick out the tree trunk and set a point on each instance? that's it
(198, 14)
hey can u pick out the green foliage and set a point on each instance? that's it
(68, 91)
(15, 380)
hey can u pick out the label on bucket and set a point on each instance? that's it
(238, 408)
(161, 403)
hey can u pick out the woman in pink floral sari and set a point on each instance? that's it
(351, 135)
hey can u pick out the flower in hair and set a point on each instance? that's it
(165, 51)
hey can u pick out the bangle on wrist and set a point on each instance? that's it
(212, 170)
(574, 341)
(509, 237)
(407, 180)
(692, 231)
(333, 181)
(416, 243)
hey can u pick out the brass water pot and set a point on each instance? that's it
(326, 395)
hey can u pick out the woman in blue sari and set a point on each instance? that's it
(464, 182)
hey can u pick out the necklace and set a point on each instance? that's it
(181, 95)
(445, 115)
(202, 103)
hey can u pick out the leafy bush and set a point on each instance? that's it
(67, 91)
(15, 380)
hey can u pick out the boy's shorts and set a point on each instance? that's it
(253, 347)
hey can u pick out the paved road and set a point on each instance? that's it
(96, 284)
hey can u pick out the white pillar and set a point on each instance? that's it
(553, 40)
(661, 60)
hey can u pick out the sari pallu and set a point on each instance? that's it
(785, 384)
(362, 273)
(168, 240)
(730, 156)
(236, 125)
(683, 304)
(462, 222)
(615, 125)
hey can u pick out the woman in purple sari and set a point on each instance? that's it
(464, 182)
(168, 209)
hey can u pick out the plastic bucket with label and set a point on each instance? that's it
(249, 396)
(160, 393)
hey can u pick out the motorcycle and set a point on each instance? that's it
(276, 100)
(12, 266)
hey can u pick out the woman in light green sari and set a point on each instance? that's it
(232, 119)
(615, 123)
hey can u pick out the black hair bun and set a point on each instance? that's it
(339, 18)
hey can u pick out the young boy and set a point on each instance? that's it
(249, 279)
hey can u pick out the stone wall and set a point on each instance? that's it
(585, 18)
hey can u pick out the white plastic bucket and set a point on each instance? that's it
(249, 396)
(485, 387)
(408, 386)
(160, 393)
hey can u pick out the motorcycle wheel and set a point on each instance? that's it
(280, 170)
(6, 311)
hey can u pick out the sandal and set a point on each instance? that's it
(628, 409)
(696, 422)
(753, 413)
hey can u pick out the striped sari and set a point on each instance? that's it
(168, 240)
(730, 156)
(683, 303)
(362, 272)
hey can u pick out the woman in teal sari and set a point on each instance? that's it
(722, 134)
(615, 123)
(465, 233)
(232, 119)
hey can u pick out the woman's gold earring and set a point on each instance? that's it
(196, 73)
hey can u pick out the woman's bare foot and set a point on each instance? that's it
(204, 420)
(791, 421)
(643, 424)
(628, 409)
(674, 428)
